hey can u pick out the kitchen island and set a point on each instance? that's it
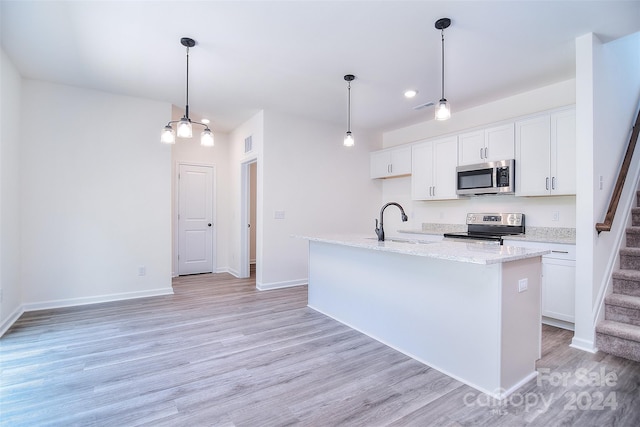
(469, 310)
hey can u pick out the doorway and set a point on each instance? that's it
(196, 226)
(249, 221)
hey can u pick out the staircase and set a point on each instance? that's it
(619, 333)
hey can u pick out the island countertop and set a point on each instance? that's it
(476, 253)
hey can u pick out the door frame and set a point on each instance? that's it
(176, 209)
(245, 204)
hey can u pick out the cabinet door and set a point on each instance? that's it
(499, 143)
(422, 171)
(401, 161)
(380, 164)
(471, 148)
(558, 289)
(533, 137)
(445, 156)
(563, 152)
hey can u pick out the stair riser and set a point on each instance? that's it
(622, 314)
(618, 346)
(635, 219)
(633, 240)
(629, 262)
(626, 287)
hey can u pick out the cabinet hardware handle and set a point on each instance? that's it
(486, 156)
(560, 252)
(553, 183)
(434, 191)
(547, 183)
(481, 154)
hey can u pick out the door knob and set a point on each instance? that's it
(209, 224)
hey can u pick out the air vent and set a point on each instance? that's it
(248, 144)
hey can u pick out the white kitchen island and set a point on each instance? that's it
(457, 307)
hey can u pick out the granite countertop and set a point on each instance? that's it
(476, 253)
(533, 234)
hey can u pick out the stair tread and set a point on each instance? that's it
(634, 229)
(621, 300)
(618, 329)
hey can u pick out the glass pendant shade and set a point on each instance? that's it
(443, 110)
(168, 135)
(184, 128)
(206, 138)
(348, 140)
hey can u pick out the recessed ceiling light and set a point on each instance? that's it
(206, 121)
(410, 93)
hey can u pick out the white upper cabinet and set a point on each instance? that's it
(434, 169)
(391, 162)
(486, 145)
(546, 154)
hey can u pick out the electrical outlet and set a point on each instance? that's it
(278, 214)
(556, 216)
(523, 285)
(142, 270)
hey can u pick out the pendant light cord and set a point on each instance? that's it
(187, 103)
(442, 33)
(349, 105)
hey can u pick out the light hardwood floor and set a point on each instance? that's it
(221, 353)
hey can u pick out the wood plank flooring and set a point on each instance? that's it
(221, 353)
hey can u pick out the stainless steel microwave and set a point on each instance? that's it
(486, 178)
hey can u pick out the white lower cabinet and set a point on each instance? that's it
(558, 282)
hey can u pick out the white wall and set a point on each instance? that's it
(320, 185)
(538, 210)
(189, 151)
(95, 196)
(607, 103)
(305, 172)
(10, 87)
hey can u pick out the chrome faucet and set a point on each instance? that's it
(380, 231)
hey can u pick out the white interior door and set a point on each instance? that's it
(195, 219)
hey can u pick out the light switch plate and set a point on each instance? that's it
(523, 284)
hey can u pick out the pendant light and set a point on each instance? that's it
(184, 125)
(348, 139)
(443, 109)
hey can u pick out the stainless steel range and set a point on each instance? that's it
(490, 227)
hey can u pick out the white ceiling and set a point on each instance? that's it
(291, 56)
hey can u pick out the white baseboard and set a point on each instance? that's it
(9, 321)
(583, 345)
(280, 285)
(558, 323)
(44, 305)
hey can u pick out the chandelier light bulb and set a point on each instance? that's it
(168, 135)
(206, 138)
(184, 128)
